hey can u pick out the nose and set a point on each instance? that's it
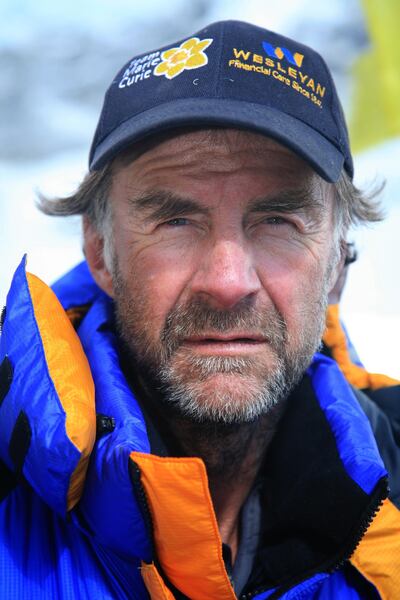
(226, 274)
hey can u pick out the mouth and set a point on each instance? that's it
(226, 345)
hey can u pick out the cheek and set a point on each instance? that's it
(156, 280)
(294, 284)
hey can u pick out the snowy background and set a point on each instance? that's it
(56, 60)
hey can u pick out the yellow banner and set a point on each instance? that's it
(376, 97)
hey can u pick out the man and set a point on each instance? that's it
(230, 459)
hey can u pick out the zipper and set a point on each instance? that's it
(379, 495)
(142, 501)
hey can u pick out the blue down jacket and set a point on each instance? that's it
(88, 513)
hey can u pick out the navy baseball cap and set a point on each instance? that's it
(229, 74)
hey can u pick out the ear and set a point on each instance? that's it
(93, 249)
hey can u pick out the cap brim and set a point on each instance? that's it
(313, 147)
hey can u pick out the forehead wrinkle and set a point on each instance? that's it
(217, 152)
(213, 161)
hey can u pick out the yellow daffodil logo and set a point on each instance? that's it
(189, 55)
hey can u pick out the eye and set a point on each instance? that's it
(277, 221)
(280, 224)
(177, 222)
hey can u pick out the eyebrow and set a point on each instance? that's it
(290, 201)
(160, 205)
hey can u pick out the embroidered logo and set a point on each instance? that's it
(283, 66)
(295, 59)
(189, 55)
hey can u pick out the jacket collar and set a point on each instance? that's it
(301, 485)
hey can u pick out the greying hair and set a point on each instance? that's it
(92, 199)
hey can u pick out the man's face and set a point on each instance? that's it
(223, 257)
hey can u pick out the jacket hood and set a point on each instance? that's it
(48, 414)
(49, 405)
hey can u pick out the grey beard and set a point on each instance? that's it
(183, 378)
(255, 401)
